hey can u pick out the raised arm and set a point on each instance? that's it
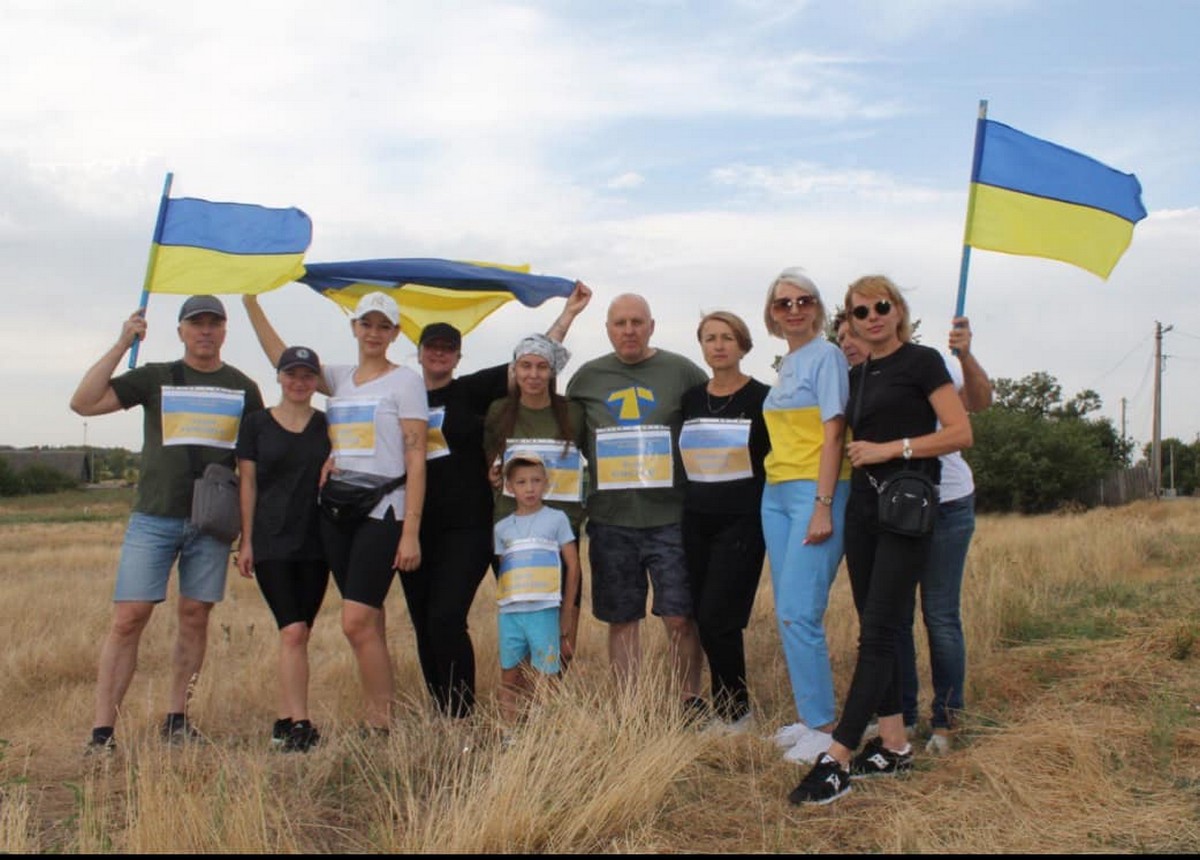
(576, 302)
(976, 392)
(269, 339)
(95, 394)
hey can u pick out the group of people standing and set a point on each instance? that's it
(692, 480)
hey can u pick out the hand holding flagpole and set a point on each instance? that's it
(154, 244)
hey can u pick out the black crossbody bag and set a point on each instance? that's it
(907, 498)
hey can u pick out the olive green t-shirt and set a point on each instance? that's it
(165, 486)
(615, 394)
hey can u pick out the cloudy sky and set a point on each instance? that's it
(684, 150)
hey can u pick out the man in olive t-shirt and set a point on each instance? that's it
(631, 405)
(196, 403)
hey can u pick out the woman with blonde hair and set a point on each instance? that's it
(804, 501)
(723, 442)
(904, 413)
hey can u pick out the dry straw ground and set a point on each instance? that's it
(1083, 733)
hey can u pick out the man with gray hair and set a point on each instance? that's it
(632, 417)
(192, 410)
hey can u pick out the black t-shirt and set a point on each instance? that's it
(287, 470)
(457, 492)
(732, 497)
(894, 405)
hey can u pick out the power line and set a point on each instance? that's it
(1109, 372)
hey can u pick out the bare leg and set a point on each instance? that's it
(686, 654)
(892, 732)
(118, 658)
(293, 670)
(191, 641)
(364, 628)
(625, 651)
(514, 690)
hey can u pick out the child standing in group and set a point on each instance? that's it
(534, 607)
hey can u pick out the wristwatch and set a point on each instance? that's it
(906, 451)
(827, 501)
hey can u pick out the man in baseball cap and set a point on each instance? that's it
(197, 305)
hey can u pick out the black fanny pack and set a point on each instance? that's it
(345, 503)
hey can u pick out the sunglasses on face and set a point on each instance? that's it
(798, 302)
(882, 307)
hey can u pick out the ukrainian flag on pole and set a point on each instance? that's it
(205, 247)
(1029, 196)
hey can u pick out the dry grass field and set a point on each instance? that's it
(1083, 733)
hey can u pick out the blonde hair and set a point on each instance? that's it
(880, 287)
(795, 276)
(741, 331)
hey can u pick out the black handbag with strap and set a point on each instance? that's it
(907, 498)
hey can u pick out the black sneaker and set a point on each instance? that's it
(877, 760)
(281, 731)
(304, 736)
(825, 783)
(101, 743)
(696, 712)
(178, 729)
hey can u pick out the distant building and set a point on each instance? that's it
(76, 465)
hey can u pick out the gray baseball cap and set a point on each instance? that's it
(197, 305)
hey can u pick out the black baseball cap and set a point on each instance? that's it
(299, 356)
(441, 331)
(196, 305)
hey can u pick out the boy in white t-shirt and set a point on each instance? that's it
(535, 545)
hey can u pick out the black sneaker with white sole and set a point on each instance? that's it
(825, 783)
(178, 729)
(304, 737)
(877, 760)
(281, 731)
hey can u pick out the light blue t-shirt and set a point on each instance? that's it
(546, 524)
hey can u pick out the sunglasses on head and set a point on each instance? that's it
(798, 302)
(882, 307)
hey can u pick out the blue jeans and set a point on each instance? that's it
(801, 576)
(153, 545)
(941, 598)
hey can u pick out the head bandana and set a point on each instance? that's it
(540, 345)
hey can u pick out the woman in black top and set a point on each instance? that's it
(723, 443)
(904, 413)
(456, 525)
(280, 453)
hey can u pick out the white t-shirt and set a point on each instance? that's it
(957, 480)
(364, 426)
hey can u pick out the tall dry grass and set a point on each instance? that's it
(1082, 732)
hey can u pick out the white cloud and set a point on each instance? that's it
(629, 179)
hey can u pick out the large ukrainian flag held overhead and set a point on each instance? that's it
(1032, 197)
(205, 247)
(433, 290)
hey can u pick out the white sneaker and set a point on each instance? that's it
(787, 736)
(740, 726)
(809, 748)
(938, 744)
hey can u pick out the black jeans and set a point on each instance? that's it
(439, 595)
(725, 560)
(884, 569)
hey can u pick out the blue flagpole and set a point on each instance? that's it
(965, 266)
(158, 230)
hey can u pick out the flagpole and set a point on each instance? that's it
(154, 243)
(965, 266)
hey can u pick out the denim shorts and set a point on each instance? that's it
(530, 635)
(621, 557)
(152, 545)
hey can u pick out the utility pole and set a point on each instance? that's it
(1123, 442)
(1156, 443)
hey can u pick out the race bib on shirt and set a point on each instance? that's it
(435, 440)
(714, 449)
(564, 470)
(634, 458)
(352, 425)
(529, 570)
(195, 415)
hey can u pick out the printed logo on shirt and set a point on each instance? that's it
(436, 445)
(631, 405)
(195, 415)
(352, 425)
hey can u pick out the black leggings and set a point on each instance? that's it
(439, 596)
(884, 569)
(361, 556)
(725, 561)
(293, 589)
